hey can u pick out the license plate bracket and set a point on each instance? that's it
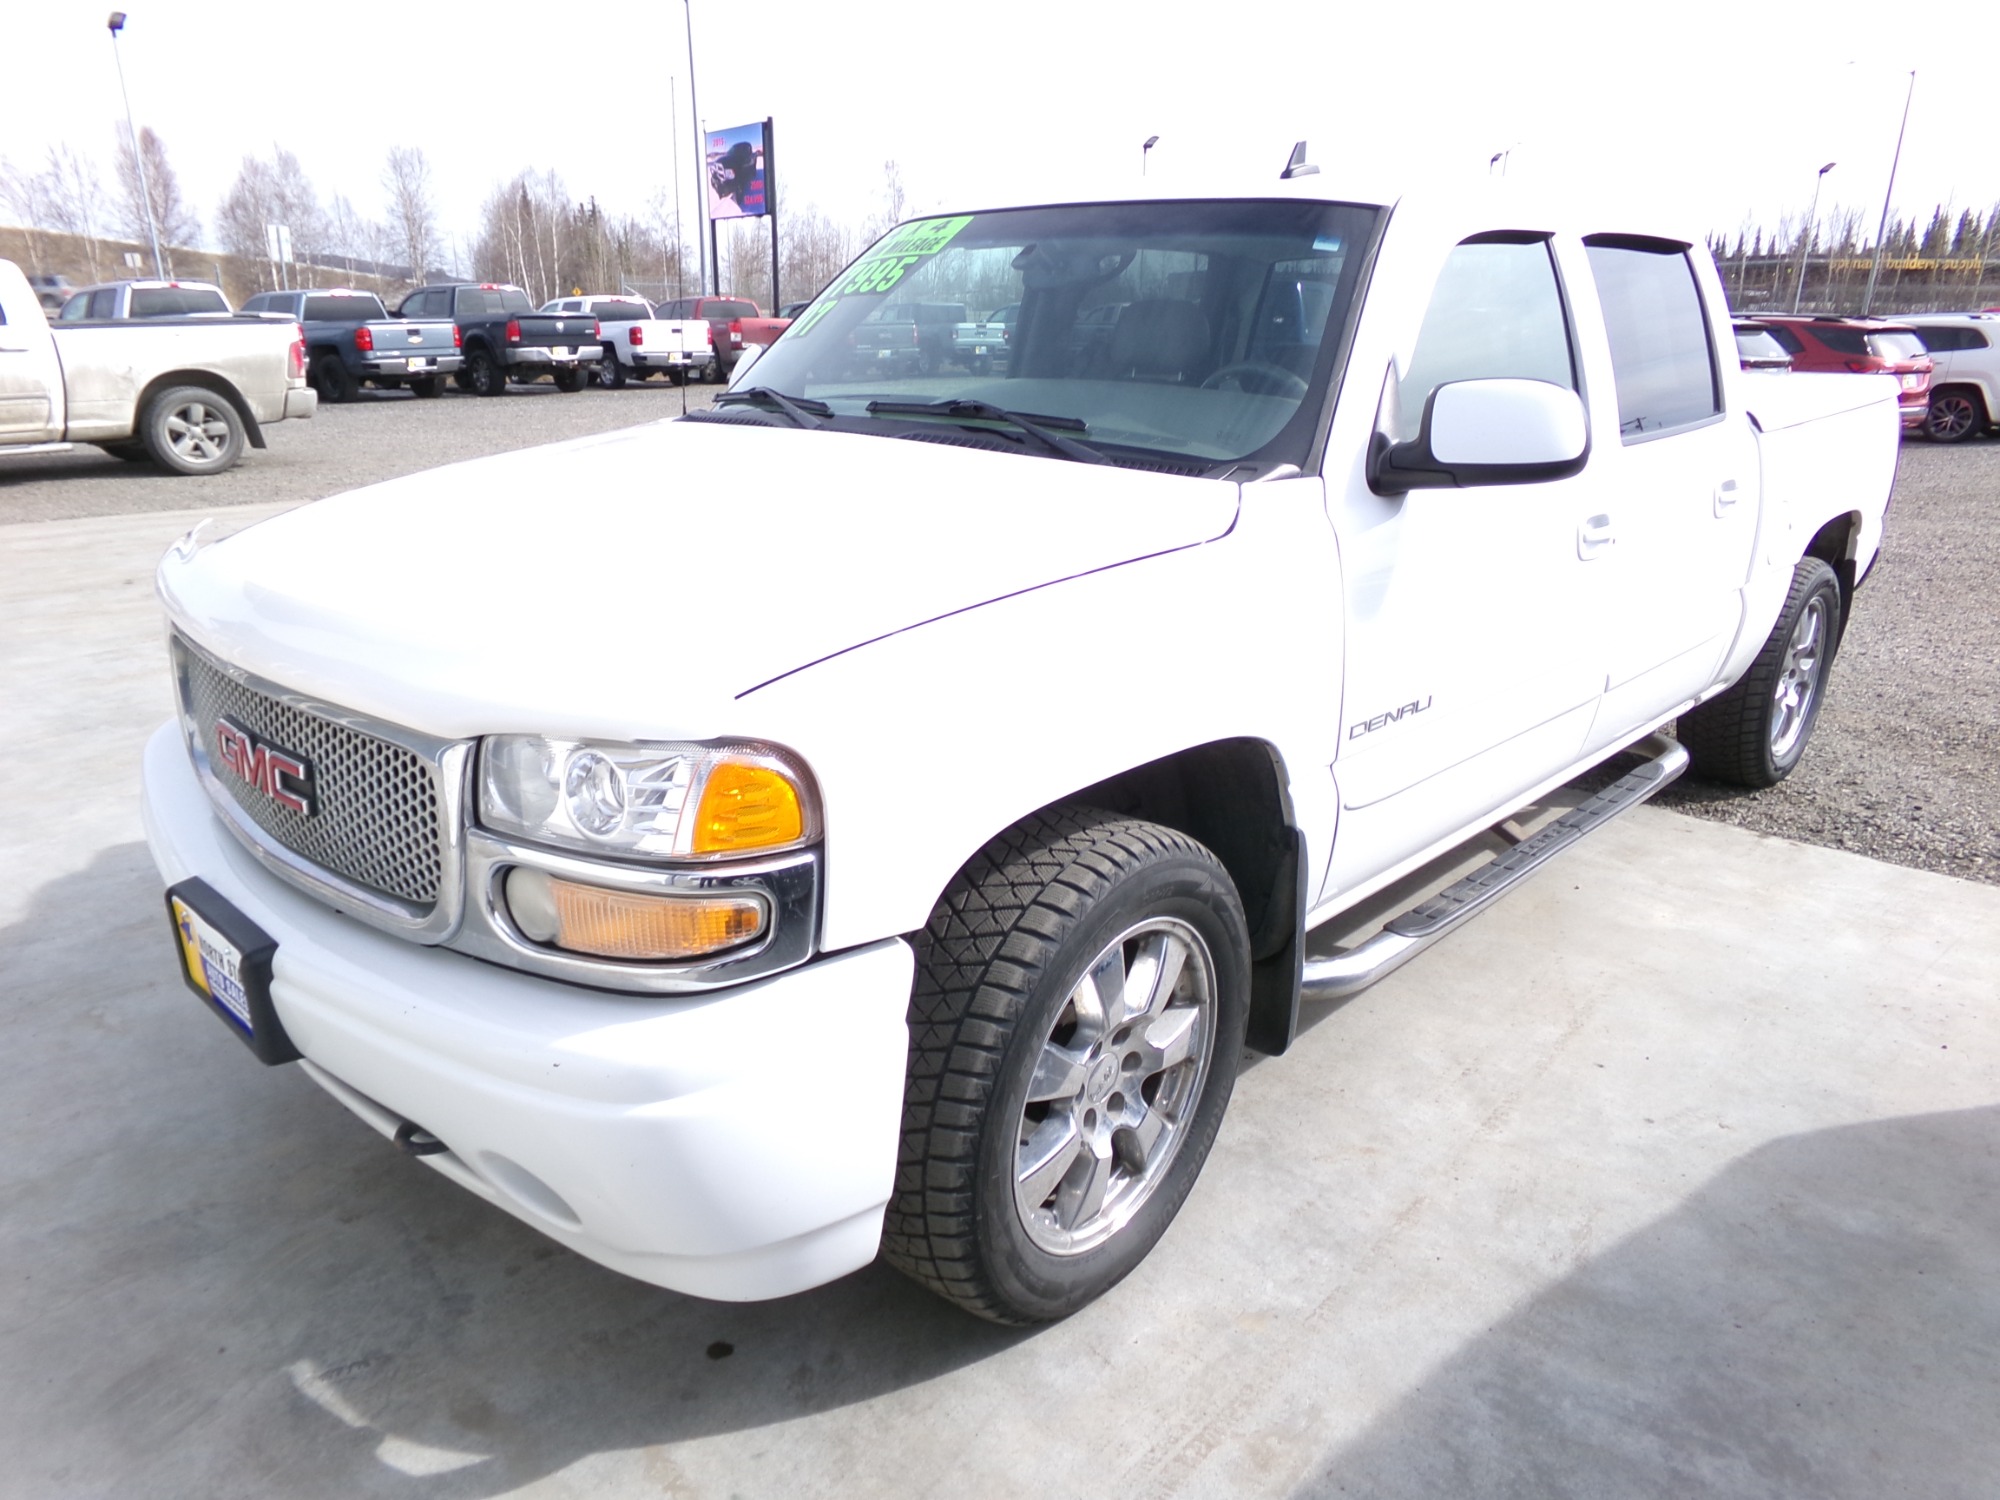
(225, 959)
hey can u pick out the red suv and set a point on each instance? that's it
(1865, 346)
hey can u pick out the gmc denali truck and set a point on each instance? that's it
(190, 393)
(898, 859)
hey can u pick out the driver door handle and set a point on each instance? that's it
(1725, 497)
(1593, 536)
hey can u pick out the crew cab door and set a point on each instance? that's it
(1681, 491)
(1474, 660)
(30, 376)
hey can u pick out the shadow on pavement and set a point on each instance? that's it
(1819, 1320)
(210, 1272)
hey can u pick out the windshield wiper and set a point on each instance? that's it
(1043, 429)
(803, 410)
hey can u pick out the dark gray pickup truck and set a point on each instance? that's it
(351, 339)
(506, 339)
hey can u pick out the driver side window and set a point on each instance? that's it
(1496, 313)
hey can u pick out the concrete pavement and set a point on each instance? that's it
(1677, 1174)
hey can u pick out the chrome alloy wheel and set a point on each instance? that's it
(1798, 680)
(1115, 1087)
(1953, 416)
(198, 432)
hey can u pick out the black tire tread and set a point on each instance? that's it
(989, 940)
(1725, 737)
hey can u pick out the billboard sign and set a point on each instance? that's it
(738, 158)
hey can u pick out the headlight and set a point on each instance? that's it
(673, 801)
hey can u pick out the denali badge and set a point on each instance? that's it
(1368, 726)
(280, 775)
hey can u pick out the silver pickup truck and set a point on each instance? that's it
(188, 393)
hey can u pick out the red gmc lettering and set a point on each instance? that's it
(261, 766)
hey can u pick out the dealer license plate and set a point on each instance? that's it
(420, 364)
(226, 960)
(562, 351)
(978, 348)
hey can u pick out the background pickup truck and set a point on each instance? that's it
(636, 342)
(732, 322)
(908, 337)
(146, 299)
(351, 339)
(903, 854)
(982, 345)
(188, 393)
(504, 338)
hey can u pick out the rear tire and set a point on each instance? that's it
(610, 373)
(571, 380)
(485, 374)
(1755, 733)
(427, 387)
(331, 380)
(191, 430)
(1075, 1025)
(1956, 413)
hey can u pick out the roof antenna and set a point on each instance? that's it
(1298, 166)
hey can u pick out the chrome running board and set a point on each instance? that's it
(1404, 937)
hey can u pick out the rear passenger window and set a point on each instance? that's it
(1496, 313)
(1661, 359)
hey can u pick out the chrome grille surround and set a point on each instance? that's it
(387, 842)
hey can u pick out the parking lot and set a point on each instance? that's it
(1678, 1174)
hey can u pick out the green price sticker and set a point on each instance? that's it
(886, 266)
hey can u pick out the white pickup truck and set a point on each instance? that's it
(187, 392)
(637, 342)
(897, 859)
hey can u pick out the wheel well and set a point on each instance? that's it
(208, 380)
(1974, 391)
(1231, 795)
(1833, 544)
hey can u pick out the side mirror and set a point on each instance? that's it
(1486, 432)
(750, 355)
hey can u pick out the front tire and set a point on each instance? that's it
(1077, 1017)
(1755, 733)
(191, 430)
(1956, 413)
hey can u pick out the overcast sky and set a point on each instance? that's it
(1723, 112)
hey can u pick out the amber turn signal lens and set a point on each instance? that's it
(746, 807)
(631, 925)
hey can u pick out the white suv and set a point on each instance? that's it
(1965, 386)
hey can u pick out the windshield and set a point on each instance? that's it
(1200, 331)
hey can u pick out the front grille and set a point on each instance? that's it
(375, 820)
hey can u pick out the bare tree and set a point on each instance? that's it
(272, 192)
(412, 210)
(24, 194)
(74, 196)
(172, 217)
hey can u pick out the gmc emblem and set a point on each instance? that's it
(280, 775)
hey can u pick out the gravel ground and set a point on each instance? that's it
(379, 435)
(1902, 766)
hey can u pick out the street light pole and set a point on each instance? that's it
(1145, 150)
(1875, 266)
(1805, 249)
(117, 24)
(700, 150)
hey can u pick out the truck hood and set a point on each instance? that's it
(637, 584)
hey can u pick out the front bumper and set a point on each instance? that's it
(739, 1144)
